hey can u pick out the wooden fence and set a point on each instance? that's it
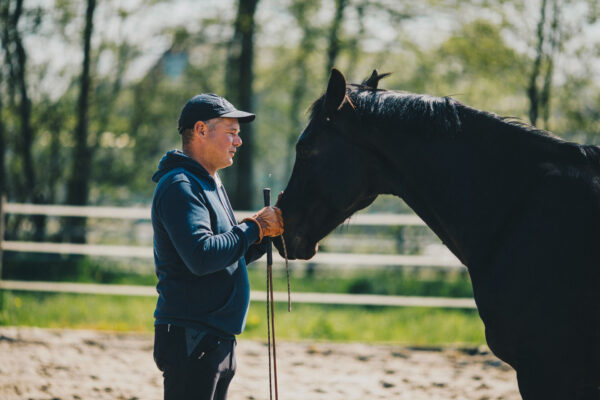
(143, 213)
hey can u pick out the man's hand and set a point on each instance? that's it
(269, 221)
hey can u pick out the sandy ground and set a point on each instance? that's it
(78, 364)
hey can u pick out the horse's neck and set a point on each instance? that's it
(465, 187)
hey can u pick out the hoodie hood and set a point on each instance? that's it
(176, 159)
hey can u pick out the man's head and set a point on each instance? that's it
(209, 126)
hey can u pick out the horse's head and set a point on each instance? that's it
(334, 172)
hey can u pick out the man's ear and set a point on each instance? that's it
(200, 128)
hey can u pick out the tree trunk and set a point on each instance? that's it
(78, 186)
(355, 44)
(2, 148)
(6, 19)
(554, 38)
(303, 11)
(55, 125)
(27, 132)
(239, 79)
(2, 203)
(10, 79)
(2, 155)
(25, 102)
(532, 90)
(16, 61)
(334, 40)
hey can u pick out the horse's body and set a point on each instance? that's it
(520, 208)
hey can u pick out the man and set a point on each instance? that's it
(201, 253)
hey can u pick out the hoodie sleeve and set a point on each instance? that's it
(255, 252)
(186, 219)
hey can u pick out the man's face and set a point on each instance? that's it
(220, 142)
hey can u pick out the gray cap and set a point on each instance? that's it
(207, 106)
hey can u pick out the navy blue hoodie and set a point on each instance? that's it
(200, 252)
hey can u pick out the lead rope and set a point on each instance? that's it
(269, 331)
(271, 319)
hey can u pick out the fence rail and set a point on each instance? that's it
(143, 213)
(330, 259)
(297, 297)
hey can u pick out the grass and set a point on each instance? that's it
(392, 281)
(411, 325)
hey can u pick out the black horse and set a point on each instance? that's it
(518, 206)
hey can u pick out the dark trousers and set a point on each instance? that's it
(205, 374)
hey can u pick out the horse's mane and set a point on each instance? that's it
(444, 112)
(432, 116)
(391, 105)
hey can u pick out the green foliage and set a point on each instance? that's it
(478, 49)
(476, 66)
(578, 116)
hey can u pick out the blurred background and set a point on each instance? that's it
(90, 94)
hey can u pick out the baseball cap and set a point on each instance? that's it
(206, 106)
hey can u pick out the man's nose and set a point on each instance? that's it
(237, 141)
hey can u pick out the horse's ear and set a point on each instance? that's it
(373, 80)
(336, 92)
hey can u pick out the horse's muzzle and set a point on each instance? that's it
(297, 248)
